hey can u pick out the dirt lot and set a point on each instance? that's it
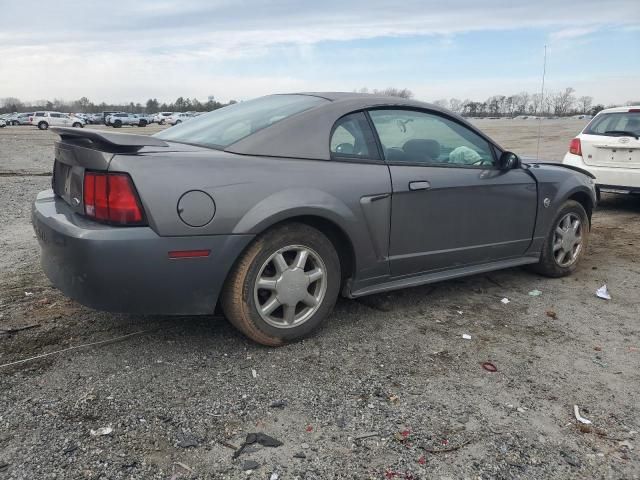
(389, 390)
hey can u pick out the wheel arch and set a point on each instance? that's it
(584, 199)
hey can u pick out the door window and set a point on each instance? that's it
(352, 138)
(414, 137)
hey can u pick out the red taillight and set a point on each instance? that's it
(110, 197)
(634, 110)
(575, 147)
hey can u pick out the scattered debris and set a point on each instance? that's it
(580, 419)
(422, 460)
(305, 446)
(599, 363)
(28, 294)
(309, 428)
(626, 443)
(505, 300)
(254, 374)
(603, 292)
(184, 466)
(535, 293)
(570, 459)
(393, 398)
(597, 348)
(8, 331)
(489, 367)
(521, 409)
(366, 435)
(466, 336)
(3, 466)
(299, 455)
(70, 449)
(101, 431)
(448, 449)
(187, 440)
(274, 476)
(227, 444)
(551, 314)
(261, 438)
(279, 404)
(250, 465)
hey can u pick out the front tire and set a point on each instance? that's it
(566, 242)
(77, 125)
(284, 285)
(43, 125)
(117, 124)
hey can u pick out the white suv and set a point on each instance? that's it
(609, 148)
(44, 120)
(177, 118)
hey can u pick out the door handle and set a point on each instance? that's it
(419, 185)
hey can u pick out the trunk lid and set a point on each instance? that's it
(610, 151)
(84, 149)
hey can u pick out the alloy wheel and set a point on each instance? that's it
(290, 286)
(567, 240)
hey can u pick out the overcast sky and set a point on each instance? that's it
(238, 49)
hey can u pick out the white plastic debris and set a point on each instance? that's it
(603, 292)
(254, 374)
(28, 294)
(102, 431)
(581, 419)
(505, 300)
(459, 312)
(274, 476)
(535, 293)
(466, 336)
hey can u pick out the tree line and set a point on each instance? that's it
(84, 105)
(561, 104)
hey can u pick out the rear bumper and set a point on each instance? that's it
(128, 269)
(608, 178)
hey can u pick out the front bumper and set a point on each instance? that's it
(623, 180)
(128, 269)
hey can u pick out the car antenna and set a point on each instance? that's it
(544, 72)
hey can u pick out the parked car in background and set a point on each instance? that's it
(161, 117)
(146, 117)
(609, 148)
(106, 114)
(44, 119)
(3, 122)
(275, 206)
(119, 119)
(178, 117)
(23, 118)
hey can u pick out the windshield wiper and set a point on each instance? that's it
(623, 133)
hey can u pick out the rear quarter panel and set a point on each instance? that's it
(252, 193)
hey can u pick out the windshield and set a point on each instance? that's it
(608, 123)
(227, 125)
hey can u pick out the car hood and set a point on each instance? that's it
(554, 165)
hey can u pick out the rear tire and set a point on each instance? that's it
(117, 124)
(142, 123)
(562, 250)
(304, 287)
(77, 125)
(43, 125)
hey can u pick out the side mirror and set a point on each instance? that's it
(508, 161)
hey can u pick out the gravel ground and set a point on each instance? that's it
(389, 390)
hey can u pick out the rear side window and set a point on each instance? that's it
(614, 123)
(352, 138)
(227, 125)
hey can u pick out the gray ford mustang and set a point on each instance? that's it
(272, 207)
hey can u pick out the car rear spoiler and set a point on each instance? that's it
(111, 142)
(531, 161)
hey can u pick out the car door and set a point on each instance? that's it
(451, 206)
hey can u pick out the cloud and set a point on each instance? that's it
(244, 48)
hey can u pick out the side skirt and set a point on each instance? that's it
(427, 278)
